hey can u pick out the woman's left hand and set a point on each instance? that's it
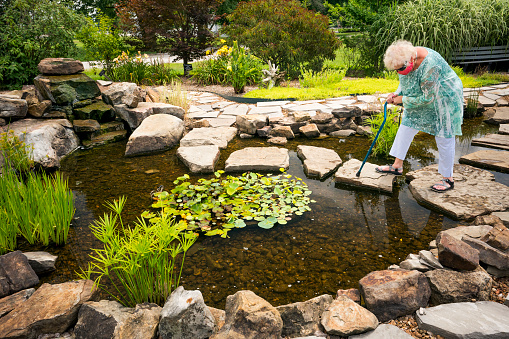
(397, 100)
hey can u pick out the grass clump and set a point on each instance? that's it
(174, 95)
(388, 134)
(144, 263)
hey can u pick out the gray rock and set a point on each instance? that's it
(345, 317)
(500, 141)
(64, 90)
(310, 107)
(427, 258)
(364, 130)
(51, 309)
(383, 331)
(498, 237)
(342, 133)
(483, 319)
(236, 110)
(286, 121)
(488, 159)
(219, 318)
(302, 116)
(495, 272)
(123, 93)
(199, 159)
(41, 262)
(264, 132)
(488, 254)
(501, 116)
(472, 231)
(277, 141)
(368, 178)
(251, 123)
(414, 264)
(96, 111)
(303, 318)
(51, 139)
(393, 293)
(456, 254)
(109, 319)
(60, 66)
(185, 315)
(11, 107)
(448, 286)
(222, 121)
(156, 133)
(219, 136)
(8, 303)
(134, 116)
(504, 216)
(16, 274)
(282, 131)
(258, 159)
(248, 316)
(310, 131)
(322, 118)
(475, 192)
(318, 161)
(265, 110)
(347, 112)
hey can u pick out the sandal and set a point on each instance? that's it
(391, 170)
(448, 184)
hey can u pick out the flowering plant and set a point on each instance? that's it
(140, 70)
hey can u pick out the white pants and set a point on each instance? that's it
(446, 148)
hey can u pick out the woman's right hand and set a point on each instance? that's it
(390, 98)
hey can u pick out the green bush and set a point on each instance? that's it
(284, 33)
(443, 25)
(146, 260)
(31, 31)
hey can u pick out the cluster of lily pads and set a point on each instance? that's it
(218, 205)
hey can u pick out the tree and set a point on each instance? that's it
(31, 31)
(181, 27)
(283, 32)
(90, 7)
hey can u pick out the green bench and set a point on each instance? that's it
(478, 55)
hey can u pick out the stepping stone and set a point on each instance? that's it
(199, 159)
(212, 114)
(219, 136)
(475, 192)
(258, 159)
(502, 102)
(206, 108)
(369, 178)
(307, 102)
(383, 331)
(221, 104)
(493, 140)
(235, 110)
(344, 101)
(310, 107)
(499, 86)
(501, 116)
(483, 319)
(488, 159)
(271, 103)
(491, 96)
(221, 121)
(333, 105)
(318, 161)
(486, 102)
(501, 92)
(265, 110)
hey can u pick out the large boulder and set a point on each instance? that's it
(345, 317)
(318, 161)
(12, 107)
(301, 319)
(134, 116)
(8, 303)
(258, 159)
(475, 191)
(60, 66)
(448, 286)
(99, 111)
(51, 309)
(51, 139)
(123, 93)
(185, 315)
(16, 274)
(249, 317)
(393, 293)
(455, 253)
(156, 133)
(110, 320)
(64, 90)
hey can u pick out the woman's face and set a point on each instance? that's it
(407, 67)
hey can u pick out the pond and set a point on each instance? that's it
(347, 234)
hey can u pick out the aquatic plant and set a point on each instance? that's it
(16, 154)
(141, 262)
(218, 205)
(388, 134)
(472, 104)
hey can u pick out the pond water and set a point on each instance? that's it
(347, 234)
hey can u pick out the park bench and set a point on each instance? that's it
(478, 55)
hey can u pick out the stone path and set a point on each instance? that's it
(488, 159)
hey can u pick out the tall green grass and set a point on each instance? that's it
(144, 263)
(388, 134)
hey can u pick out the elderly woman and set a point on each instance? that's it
(432, 98)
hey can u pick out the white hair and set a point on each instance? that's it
(398, 53)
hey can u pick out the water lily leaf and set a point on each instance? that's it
(266, 224)
(282, 221)
(240, 223)
(148, 215)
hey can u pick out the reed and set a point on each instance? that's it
(144, 263)
(174, 95)
(388, 133)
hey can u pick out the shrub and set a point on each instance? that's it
(31, 31)
(284, 33)
(146, 260)
(442, 25)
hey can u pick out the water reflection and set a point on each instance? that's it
(347, 234)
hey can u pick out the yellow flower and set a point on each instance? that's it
(223, 41)
(207, 52)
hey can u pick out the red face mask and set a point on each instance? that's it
(407, 70)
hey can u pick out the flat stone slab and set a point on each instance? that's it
(235, 110)
(488, 159)
(367, 98)
(475, 192)
(227, 121)
(483, 319)
(486, 102)
(310, 107)
(265, 110)
(369, 178)
(501, 116)
(199, 159)
(318, 161)
(271, 103)
(219, 136)
(493, 140)
(383, 331)
(258, 159)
